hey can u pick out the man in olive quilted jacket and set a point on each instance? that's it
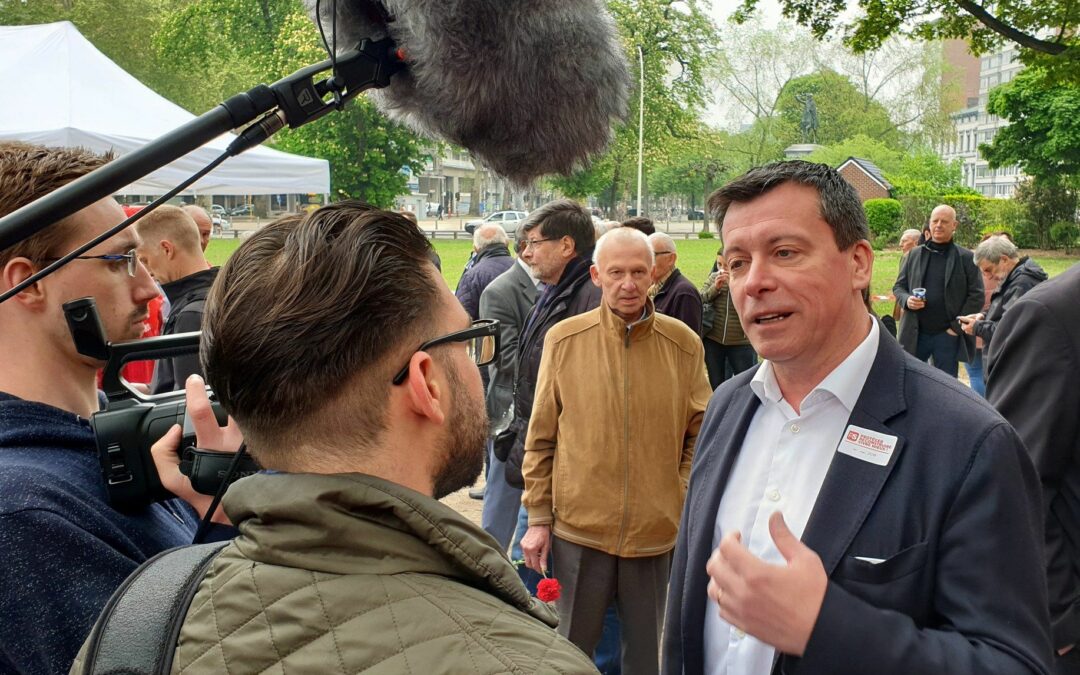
(352, 371)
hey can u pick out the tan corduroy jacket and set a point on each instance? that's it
(615, 417)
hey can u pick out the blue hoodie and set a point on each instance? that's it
(63, 549)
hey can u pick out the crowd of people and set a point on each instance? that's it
(748, 477)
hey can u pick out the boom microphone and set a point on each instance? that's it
(530, 87)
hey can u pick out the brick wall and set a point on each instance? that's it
(866, 186)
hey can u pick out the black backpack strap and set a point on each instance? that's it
(137, 631)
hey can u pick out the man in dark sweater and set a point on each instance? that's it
(950, 286)
(170, 249)
(673, 294)
(63, 548)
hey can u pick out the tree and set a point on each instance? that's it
(220, 47)
(1049, 204)
(1045, 29)
(1043, 135)
(843, 110)
(751, 72)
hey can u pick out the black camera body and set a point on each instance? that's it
(132, 421)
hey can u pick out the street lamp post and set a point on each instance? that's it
(641, 126)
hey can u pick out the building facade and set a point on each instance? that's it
(973, 125)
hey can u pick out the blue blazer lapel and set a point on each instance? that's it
(713, 463)
(852, 485)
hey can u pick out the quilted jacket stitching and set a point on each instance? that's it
(499, 652)
(269, 626)
(332, 630)
(397, 631)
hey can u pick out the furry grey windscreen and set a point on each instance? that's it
(530, 87)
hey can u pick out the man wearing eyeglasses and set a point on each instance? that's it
(63, 548)
(363, 398)
(169, 247)
(621, 395)
(673, 294)
(559, 238)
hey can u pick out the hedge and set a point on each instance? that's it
(975, 216)
(885, 218)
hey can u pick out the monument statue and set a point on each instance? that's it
(808, 125)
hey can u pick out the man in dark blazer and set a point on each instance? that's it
(850, 509)
(508, 298)
(952, 287)
(1033, 367)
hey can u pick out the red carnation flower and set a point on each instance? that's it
(548, 590)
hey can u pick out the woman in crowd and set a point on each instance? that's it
(727, 349)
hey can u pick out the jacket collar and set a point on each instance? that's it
(360, 524)
(492, 251)
(175, 290)
(631, 332)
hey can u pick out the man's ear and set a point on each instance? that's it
(15, 272)
(425, 397)
(168, 249)
(862, 263)
(595, 274)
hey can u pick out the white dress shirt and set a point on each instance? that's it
(781, 466)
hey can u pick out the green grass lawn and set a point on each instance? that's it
(696, 257)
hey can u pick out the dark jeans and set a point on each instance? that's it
(942, 348)
(974, 370)
(725, 361)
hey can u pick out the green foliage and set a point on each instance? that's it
(1064, 234)
(1043, 135)
(1047, 203)
(1048, 29)
(705, 234)
(224, 46)
(843, 110)
(886, 158)
(975, 214)
(885, 218)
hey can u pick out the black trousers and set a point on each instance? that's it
(726, 361)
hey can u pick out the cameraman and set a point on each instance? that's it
(63, 549)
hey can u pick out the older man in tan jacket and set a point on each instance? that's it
(620, 397)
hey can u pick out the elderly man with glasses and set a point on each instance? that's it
(559, 239)
(673, 293)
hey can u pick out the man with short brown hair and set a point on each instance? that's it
(64, 549)
(169, 248)
(842, 490)
(351, 369)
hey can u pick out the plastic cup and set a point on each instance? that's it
(919, 293)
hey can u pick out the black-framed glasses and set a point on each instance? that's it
(663, 252)
(481, 344)
(129, 257)
(534, 242)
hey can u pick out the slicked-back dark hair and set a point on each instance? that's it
(641, 224)
(838, 202)
(564, 218)
(305, 306)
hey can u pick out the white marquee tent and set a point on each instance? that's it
(57, 89)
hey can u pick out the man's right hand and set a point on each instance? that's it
(535, 546)
(721, 280)
(914, 303)
(208, 436)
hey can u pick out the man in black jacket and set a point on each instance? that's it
(950, 285)
(1032, 368)
(999, 261)
(559, 238)
(170, 248)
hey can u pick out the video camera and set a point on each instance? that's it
(132, 421)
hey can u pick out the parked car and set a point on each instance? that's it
(695, 215)
(242, 210)
(510, 221)
(218, 210)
